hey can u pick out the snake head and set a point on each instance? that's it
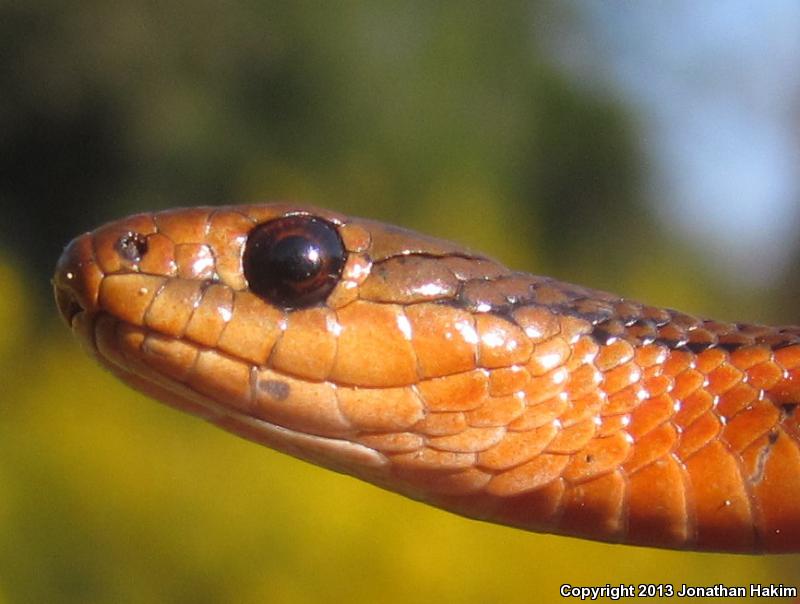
(294, 326)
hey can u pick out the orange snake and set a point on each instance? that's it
(435, 372)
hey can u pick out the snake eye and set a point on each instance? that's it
(293, 262)
(132, 246)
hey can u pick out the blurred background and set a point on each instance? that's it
(650, 149)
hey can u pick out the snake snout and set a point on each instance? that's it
(75, 284)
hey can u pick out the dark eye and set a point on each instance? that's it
(293, 262)
(132, 246)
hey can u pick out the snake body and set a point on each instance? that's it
(438, 373)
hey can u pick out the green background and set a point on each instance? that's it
(443, 117)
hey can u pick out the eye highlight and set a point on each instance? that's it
(293, 262)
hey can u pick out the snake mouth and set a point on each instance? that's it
(112, 340)
(76, 282)
(68, 304)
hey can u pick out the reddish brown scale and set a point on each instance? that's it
(442, 375)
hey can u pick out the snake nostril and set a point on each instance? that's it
(132, 246)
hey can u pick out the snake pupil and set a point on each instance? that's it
(296, 258)
(293, 262)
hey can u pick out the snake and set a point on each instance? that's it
(436, 372)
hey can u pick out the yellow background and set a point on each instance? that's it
(447, 118)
